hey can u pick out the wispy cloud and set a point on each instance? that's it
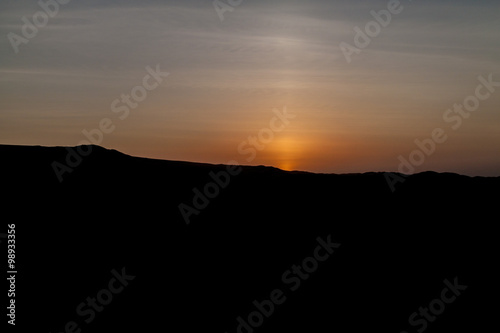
(265, 54)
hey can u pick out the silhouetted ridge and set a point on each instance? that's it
(206, 246)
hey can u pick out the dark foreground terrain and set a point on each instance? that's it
(108, 249)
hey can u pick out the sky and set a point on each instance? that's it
(231, 70)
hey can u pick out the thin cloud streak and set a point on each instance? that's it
(226, 75)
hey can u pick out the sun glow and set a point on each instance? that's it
(285, 152)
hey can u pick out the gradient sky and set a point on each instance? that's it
(227, 76)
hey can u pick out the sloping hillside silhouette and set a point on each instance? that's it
(114, 210)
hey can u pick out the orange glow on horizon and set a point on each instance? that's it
(285, 151)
